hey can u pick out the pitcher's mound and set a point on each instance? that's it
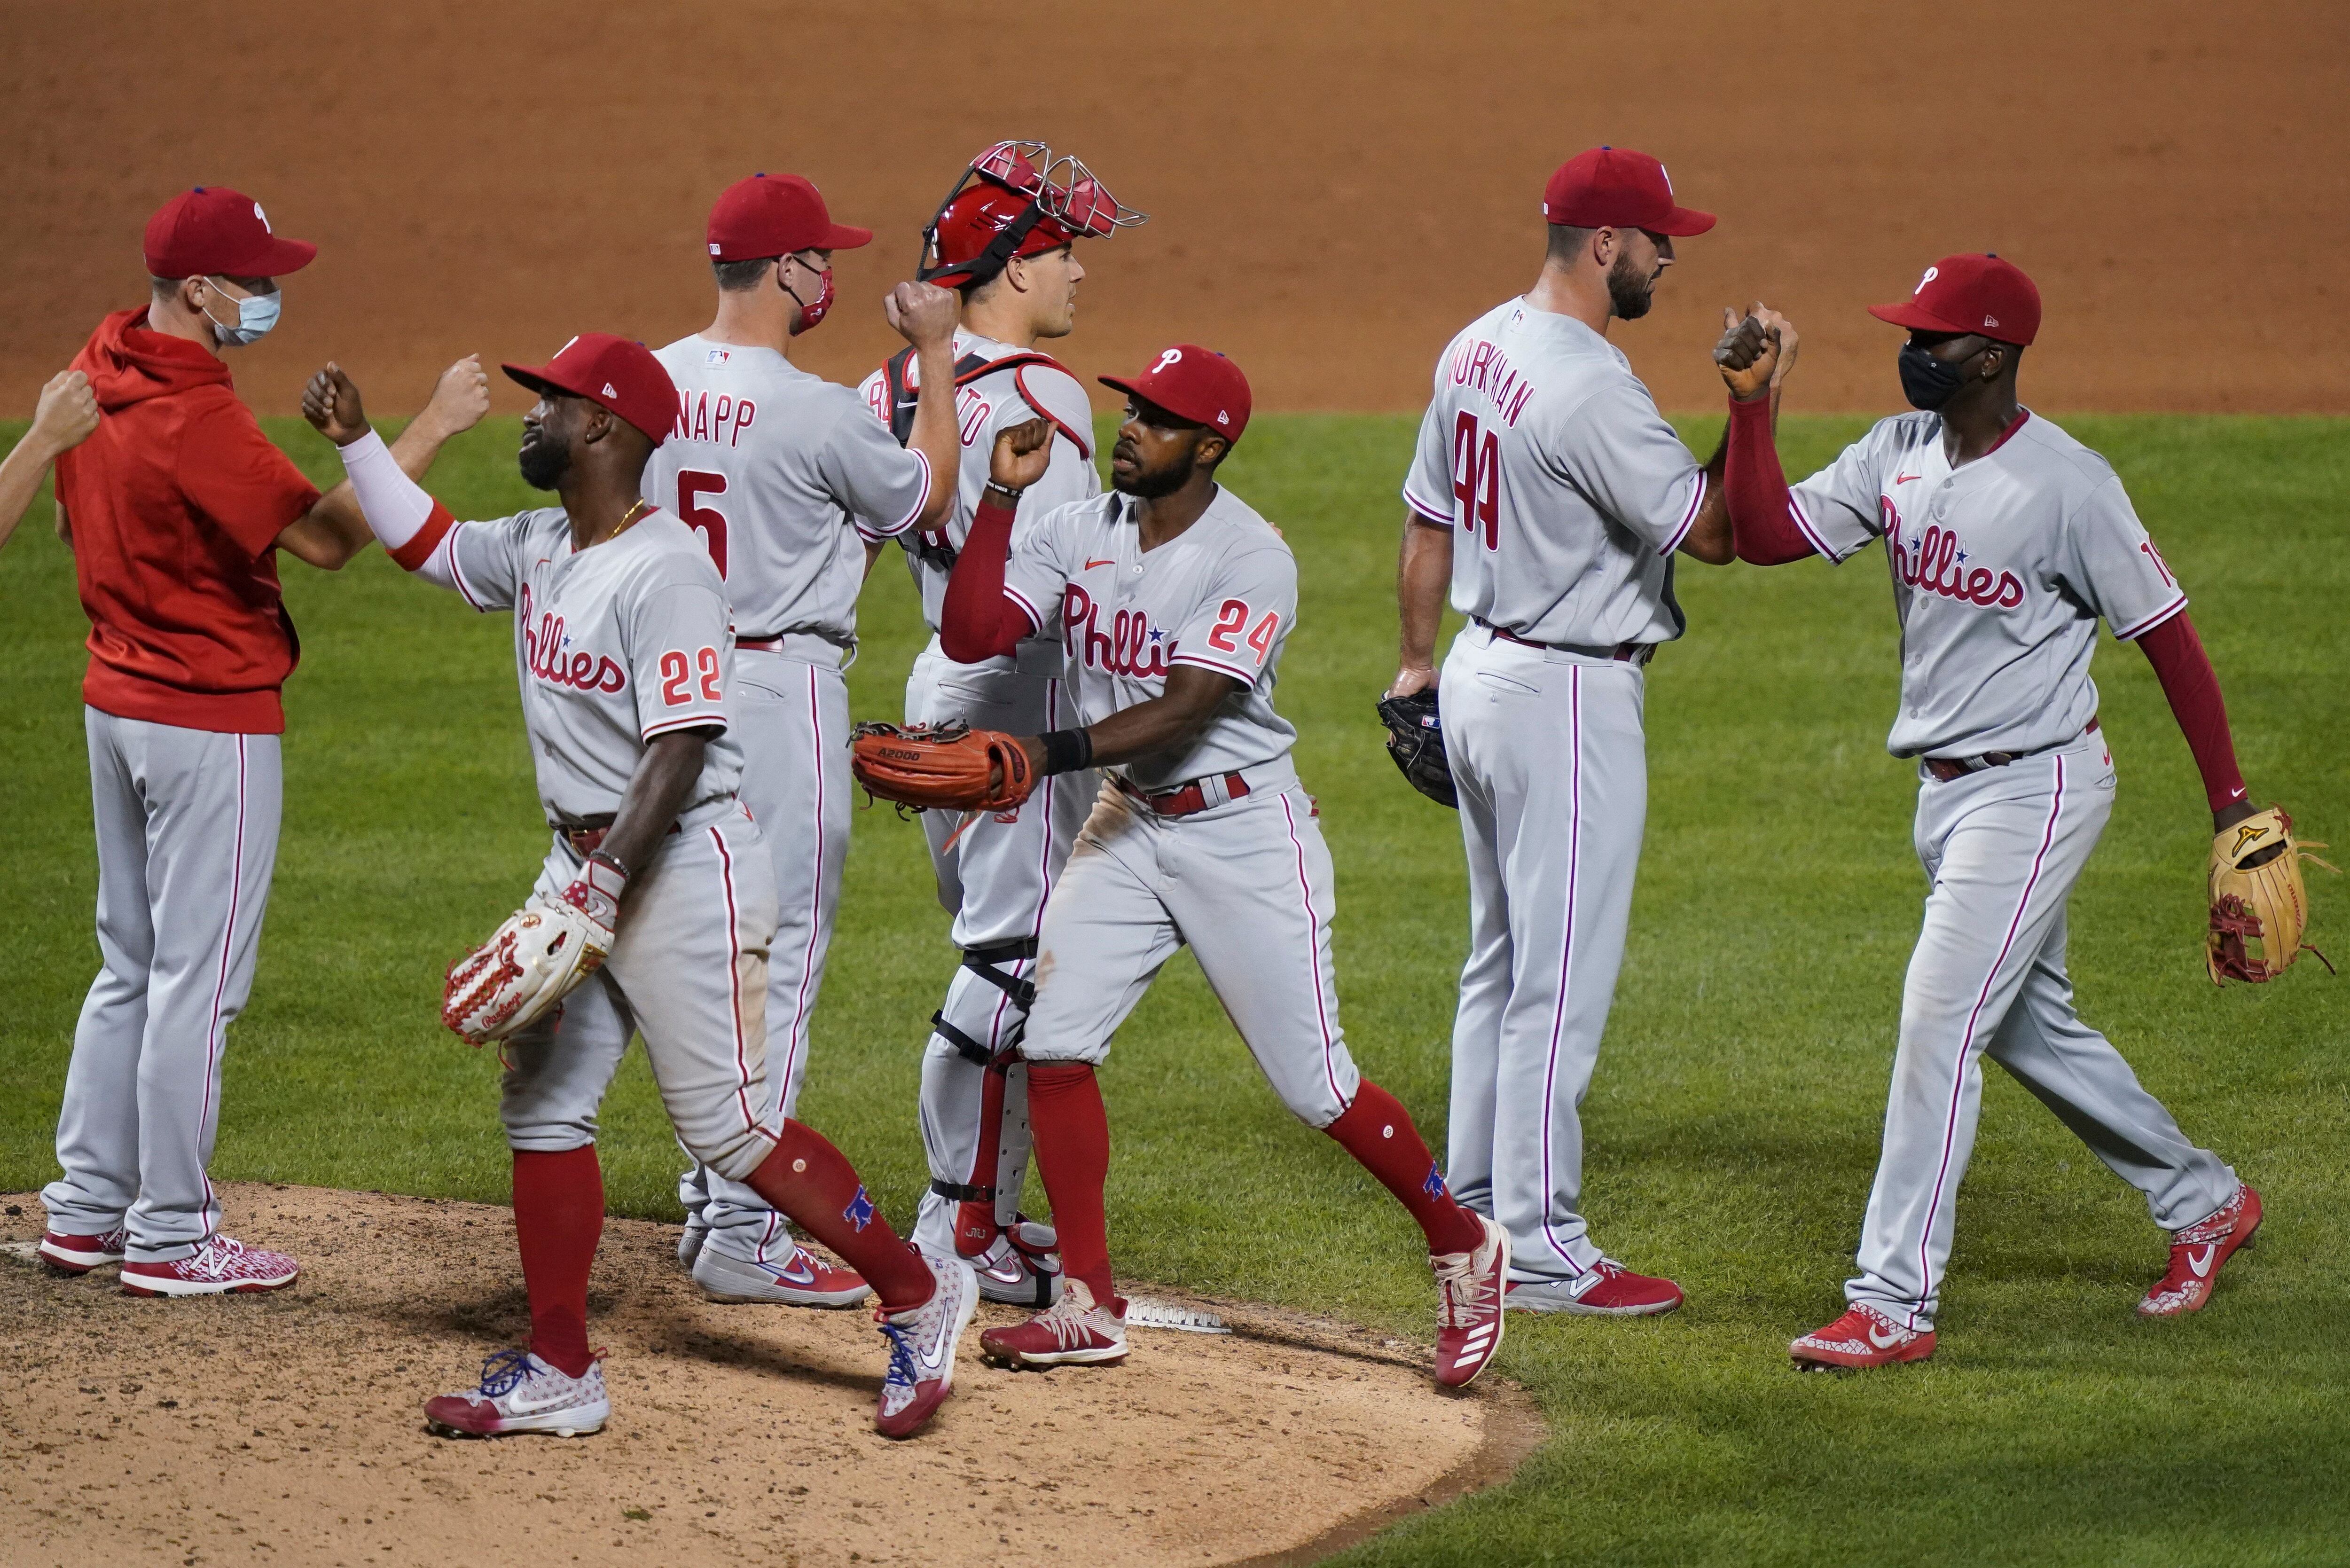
(287, 1428)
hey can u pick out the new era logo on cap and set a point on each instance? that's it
(609, 390)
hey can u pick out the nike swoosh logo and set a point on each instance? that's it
(1906, 478)
(1882, 1340)
(533, 1407)
(2202, 1269)
(1091, 565)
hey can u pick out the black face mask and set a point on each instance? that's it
(1926, 381)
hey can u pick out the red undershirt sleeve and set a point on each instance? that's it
(978, 621)
(1761, 514)
(2188, 680)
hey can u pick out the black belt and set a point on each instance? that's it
(587, 837)
(1945, 769)
(1622, 652)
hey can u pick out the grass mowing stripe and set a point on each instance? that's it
(1733, 1121)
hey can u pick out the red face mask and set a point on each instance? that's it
(811, 313)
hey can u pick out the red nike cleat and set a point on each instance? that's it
(1862, 1337)
(1072, 1332)
(2199, 1252)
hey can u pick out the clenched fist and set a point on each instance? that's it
(67, 412)
(460, 397)
(331, 403)
(1754, 354)
(923, 313)
(1020, 455)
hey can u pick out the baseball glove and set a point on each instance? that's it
(2258, 911)
(1416, 741)
(949, 767)
(529, 964)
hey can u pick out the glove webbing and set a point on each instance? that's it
(982, 962)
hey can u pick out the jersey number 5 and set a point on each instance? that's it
(692, 483)
(1477, 479)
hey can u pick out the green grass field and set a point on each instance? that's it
(1734, 1123)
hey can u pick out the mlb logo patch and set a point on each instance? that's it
(859, 1212)
(716, 357)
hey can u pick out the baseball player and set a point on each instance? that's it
(1553, 497)
(1005, 241)
(176, 510)
(787, 484)
(624, 650)
(2007, 541)
(62, 420)
(1174, 601)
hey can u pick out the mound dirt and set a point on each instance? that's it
(286, 1429)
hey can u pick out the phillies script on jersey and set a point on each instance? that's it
(543, 655)
(1935, 564)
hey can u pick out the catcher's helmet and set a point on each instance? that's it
(1015, 200)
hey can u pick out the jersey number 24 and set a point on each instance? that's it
(1477, 479)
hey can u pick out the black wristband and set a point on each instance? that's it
(1066, 750)
(1003, 495)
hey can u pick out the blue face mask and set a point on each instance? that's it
(255, 315)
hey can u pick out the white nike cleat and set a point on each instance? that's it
(520, 1393)
(1863, 1337)
(1021, 1268)
(798, 1280)
(1073, 1331)
(1469, 1306)
(923, 1349)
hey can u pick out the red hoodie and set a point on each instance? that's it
(175, 504)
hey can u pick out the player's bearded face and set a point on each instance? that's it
(1630, 289)
(1151, 459)
(545, 454)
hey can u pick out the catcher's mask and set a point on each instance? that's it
(1015, 200)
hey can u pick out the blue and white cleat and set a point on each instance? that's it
(520, 1393)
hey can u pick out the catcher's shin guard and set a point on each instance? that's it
(999, 1162)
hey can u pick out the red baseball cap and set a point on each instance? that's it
(1614, 187)
(776, 215)
(1970, 293)
(1193, 383)
(214, 231)
(620, 374)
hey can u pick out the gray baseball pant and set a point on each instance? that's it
(187, 838)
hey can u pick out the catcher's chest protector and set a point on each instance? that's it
(967, 368)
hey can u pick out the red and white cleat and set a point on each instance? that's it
(922, 1350)
(218, 1268)
(1862, 1337)
(800, 1279)
(1073, 1331)
(1606, 1290)
(1468, 1292)
(80, 1255)
(520, 1393)
(2199, 1252)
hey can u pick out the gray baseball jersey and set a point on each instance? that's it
(614, 645)
(784, 479)
(2001, 570)
(984, 406)
(1570, 490)
(1221, 595)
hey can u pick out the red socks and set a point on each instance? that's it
(558, 1204)
(813, 1183)
(1072, 1134)
(1378, 1131)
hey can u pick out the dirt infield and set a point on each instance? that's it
(1335, 188)
(285, 1428)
